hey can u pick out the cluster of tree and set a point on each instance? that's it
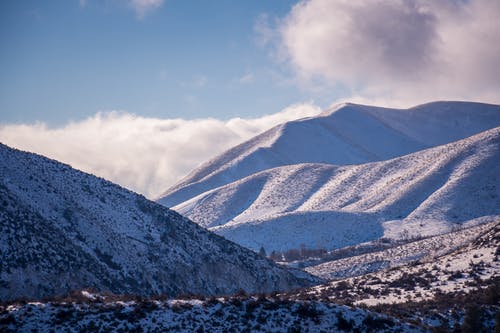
(296, 254)
(321, 253)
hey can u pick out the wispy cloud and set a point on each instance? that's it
(409, 51)
(200, 81)
(247, 78)
(144, 154)
(140, 7)
(265, 32)
(143, 7)
(197, 81)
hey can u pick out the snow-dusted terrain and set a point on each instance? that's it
(425, 193)
(62, 229)
(422, 250)
(436, 292)
(235, 314)
(346, 134)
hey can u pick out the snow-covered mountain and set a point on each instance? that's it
(322, 205)
(346, 134)
(62, 229)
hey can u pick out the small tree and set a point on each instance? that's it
(472, 321)
(292, 255)
(275, 256)
(404, 235)
(343, 324)
(303, 251)
(262, 251)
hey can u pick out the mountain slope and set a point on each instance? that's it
(347, 134)
(398, 254)
(321, 205)
(62, 229)
(472, 265)
(436, 290)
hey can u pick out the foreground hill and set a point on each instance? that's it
(235, 314)
(62, 229)
(319, 205)
(347, 134)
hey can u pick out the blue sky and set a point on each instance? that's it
(65, 60)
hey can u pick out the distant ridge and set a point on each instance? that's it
(346, 134)
(425, 193)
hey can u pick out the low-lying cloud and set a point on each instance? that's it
(146, 155)
(395, 50)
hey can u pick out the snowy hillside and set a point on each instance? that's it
(322, 205)
(235, 314)
(476, 261)
(396, 254)
(441, 292)
(347, 134)
(61, 229)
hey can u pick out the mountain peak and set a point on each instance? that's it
(346, 134)
(425, 193)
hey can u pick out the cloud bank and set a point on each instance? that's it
(146, 155)
(407, 52)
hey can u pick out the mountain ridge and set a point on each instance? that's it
(426, 192)
(62, 230)
(346, 134)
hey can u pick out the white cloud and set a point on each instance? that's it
(396, 50)
(142, 7)
(247, 78)
(144, 154)
(197, 81)
(200, 81)
(265, 33)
